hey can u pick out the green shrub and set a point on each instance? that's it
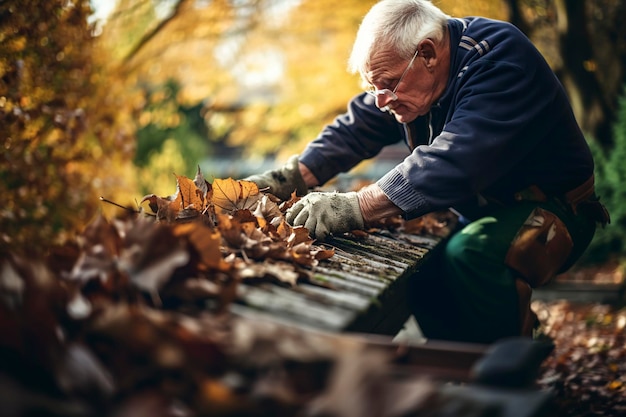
(611, 187)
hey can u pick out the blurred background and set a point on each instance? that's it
(112, 98)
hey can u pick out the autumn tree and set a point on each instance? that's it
(249, 63)
(269, 73)
(63, 141)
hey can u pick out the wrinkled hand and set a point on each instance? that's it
(326, 213)
(282, 181)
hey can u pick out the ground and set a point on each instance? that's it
(587, 369)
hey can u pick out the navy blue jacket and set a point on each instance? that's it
(503, 123)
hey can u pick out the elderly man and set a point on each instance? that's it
(491, 134)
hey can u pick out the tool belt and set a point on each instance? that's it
(543, 245)
(581, 199)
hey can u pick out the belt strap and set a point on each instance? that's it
(580, 197)
(581, 193)
(574, 196)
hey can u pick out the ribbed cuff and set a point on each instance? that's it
(400, 192)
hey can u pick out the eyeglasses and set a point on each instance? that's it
(391, 94)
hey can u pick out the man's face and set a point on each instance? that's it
(415, 91)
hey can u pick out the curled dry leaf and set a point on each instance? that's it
(436, 224)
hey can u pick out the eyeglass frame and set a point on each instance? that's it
(391, 94)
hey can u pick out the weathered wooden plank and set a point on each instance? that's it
(344, 282)
(388, 313)
(362, 288)
(364, 269)
(427, 242)
(404, 243)
(341, 276)
(388, 251)
(331, 296)
(293, 306)
(374, 264)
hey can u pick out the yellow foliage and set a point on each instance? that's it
(494, 9)
(159, 173)
(63, 146)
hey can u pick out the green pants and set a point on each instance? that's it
(465, 292)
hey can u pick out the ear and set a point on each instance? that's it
(429, 53)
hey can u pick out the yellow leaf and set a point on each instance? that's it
(615, 385)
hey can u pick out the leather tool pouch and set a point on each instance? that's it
(540, 248)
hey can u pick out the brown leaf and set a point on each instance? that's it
(277, 272)
(297, 235)
(206, 192)
(100, 246)
(161, 207)
(231, 230)
(206, 242)
(244, 216)
(321, 254)
(205, 188)
(189, 196)
(267, 211)
(151, 254)
(432, 223)
(286, 205)
(301, 254)
(230, 194)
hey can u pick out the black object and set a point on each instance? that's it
(511, 363)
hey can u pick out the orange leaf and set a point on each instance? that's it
(615, 385)
(299, 234)
(230, 194)
(301, 254)
(322, 254)
(207, 243)
(188, 194)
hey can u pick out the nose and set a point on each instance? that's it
(383, 100)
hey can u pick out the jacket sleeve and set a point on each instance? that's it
(356, 135)
(501, 115)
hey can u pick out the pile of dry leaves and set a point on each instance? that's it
(131, 320)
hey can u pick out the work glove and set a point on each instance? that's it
(282, 181)
(327, 213)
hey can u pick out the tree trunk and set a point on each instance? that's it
(579, 72)
(516, 17)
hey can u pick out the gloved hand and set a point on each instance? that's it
(326, 213)
(282, 181)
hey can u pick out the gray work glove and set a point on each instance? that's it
(326, 213)
(282, 181)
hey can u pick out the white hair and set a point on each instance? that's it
(398, 25)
